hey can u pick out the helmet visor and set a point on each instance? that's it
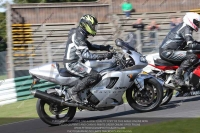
(96, 27)
(197, 23)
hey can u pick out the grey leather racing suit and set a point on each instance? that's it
(77, 52)
(173, 46)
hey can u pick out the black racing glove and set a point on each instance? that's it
(107, 47)
(101, 57)
(109, 55)
(104, 56)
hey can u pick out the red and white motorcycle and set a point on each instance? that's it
(164, 71)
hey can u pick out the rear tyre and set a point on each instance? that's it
(53, 114)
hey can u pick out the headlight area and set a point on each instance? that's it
(143, 59)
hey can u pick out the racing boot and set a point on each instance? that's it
(178, 78)
(91, 79)
(73, 92)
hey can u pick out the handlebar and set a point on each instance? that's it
(113, 51)
(111, 48)
(193, 51)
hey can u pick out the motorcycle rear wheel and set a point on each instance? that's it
(57, 119)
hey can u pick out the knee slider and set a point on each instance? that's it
(193, 58)
(166, 53)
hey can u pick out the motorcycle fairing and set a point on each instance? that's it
(139, 80)
(138, 61)
(113, 96)
(164, 65)
(107, 96)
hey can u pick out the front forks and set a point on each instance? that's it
(139, 81)
(169, 82)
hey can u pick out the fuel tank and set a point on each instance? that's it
(101, 65)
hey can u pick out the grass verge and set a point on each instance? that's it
(2, 77)
(190, 125)
(19, 111)
(25, 110)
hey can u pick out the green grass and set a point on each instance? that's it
(21, 110)
(124, 97)
(176, 126)
(24, 110)
(2, 77)
(18, 111)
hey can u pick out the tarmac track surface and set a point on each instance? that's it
(178, 108)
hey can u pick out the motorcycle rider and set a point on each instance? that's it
(77, 52)
(179, 38)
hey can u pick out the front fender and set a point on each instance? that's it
(139, 80)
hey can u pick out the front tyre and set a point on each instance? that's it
(147, 99)
(53, 114)
(167, 96)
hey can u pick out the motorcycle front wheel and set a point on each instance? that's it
(147, 99)
(168, 94)
(53, 114)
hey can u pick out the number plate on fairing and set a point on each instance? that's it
(194, 93)
(143, 72)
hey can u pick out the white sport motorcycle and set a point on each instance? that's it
(119, 75)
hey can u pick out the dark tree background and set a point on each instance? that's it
(3, 45)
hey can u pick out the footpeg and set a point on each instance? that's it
(67, 97)
(186, 94)
(172, 86)
(178, 94)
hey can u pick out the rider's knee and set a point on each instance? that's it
(193, 58)
(166, 53)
